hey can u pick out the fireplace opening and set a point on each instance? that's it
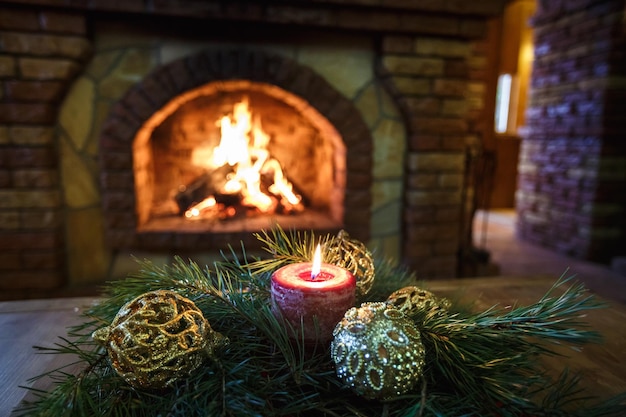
(238, 156)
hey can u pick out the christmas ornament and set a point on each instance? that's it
(377, 351)
(412, 299)
(354, 256)
(158, 338)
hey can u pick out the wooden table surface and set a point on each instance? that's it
(24, 324)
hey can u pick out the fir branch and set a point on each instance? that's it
(285, 247)
(477, 363)
(484, 356)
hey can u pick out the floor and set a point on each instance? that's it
(494, 231)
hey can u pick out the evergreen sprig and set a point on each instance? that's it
(478, 364)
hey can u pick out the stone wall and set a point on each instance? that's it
(423, 56)
(572, 171)
(41, 51)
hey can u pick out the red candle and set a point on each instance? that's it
(303, 296)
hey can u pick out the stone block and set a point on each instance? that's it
(451, 180)
(454, 107)
(450, 247)
(453, 143)
(450, 87)
(457, 68)
(44, 45)
(429, 24)
(358, 180)
(422, 106)
(35, 178)
(7, 66)
(9, 220)
(418, 249)
(23, 20)
(436, 161)
(26, 113)
(442, 47)
(447, 214)
(76, 115)
(31, 157)
(4, 135)
(420, 198)
(358, 198)
(419, 215)
(30, 240)
(41, 219)
(359, 163)
(31, 280)
(5, 177)
(438, 125)
(412, 65)
(396, 44)
(47, 68)
(422, 181)
(47, 91)
(474, 29)
(88, 259)
(118, 201)
(411, 85)
(46, 260)
(424, 142)
(9, 260)
(60, 22)
(31, 135)
(385, 220)
(121, 238)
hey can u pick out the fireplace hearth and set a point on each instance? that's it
(368, 107)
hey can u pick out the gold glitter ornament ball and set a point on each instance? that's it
(377, 351)
(412, 299)
(158, 338)
(353, 255)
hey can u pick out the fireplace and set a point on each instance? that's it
(176, 189)
(368, 109)
(236, 149)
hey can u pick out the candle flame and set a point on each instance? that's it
(317, 262)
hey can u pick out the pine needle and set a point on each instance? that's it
(478, 364)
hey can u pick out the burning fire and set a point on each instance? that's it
(244, 148)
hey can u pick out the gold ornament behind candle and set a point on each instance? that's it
(412, 299)
(158, 338)
(354, 256)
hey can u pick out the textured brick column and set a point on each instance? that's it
(430, 78)
(572, 181)
(40, 53)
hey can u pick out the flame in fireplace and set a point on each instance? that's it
(244, 147)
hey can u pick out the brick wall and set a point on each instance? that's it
(572, 171)
(424, 58)
(40, 53)
(433, 80)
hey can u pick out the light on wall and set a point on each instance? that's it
(506, 103)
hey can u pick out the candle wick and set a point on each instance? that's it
(314, 275)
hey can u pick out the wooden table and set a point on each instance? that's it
(24, 324)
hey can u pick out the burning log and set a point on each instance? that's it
(248, 178)
(202, 187)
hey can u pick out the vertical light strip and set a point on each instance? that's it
(503, 96)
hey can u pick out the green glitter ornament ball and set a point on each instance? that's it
(377, 351)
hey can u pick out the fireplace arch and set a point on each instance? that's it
(127, 129)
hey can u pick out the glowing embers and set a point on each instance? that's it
(242, 177)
